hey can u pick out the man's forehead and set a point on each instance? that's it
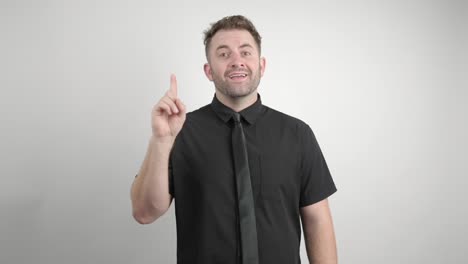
(234, 37)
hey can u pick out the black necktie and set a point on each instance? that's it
(248, 228)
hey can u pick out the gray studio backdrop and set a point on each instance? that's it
(383, 84)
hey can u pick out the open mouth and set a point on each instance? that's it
(238, 76)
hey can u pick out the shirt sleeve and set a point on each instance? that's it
(171, 176)
(316, 180)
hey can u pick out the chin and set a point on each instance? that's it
(234, 91)
(237, 94)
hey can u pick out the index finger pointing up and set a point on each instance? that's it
(173, 90)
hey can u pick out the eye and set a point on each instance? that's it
(223, 55)
(246, 53)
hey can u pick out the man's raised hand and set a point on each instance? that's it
(168, 115)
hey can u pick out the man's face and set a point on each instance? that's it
(234, 63)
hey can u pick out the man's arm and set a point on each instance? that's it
(319, 235)
(150, 190)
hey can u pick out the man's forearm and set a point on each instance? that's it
(150, 190)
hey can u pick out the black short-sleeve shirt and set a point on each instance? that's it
(287, 169)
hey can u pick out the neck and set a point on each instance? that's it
(237, 103)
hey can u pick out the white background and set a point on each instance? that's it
(383, 84)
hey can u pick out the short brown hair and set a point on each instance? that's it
(231, 22)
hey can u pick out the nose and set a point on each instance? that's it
(237, 61)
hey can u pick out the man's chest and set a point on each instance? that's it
(273, 157)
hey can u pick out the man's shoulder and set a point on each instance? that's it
(284, 119)
(199, 114)
(201, 118)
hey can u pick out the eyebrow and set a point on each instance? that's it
(246, 45)
(222, 47)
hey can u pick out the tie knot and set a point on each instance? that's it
(236, 117)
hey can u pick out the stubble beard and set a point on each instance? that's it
(240, 90)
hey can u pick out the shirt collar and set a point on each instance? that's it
(250, 114)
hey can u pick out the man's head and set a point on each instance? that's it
(232, 47)
(231, 23)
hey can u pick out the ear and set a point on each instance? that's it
(208, 72)
(262, 65)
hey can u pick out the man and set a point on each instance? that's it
(242, 174)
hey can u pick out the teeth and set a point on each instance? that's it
(238, 75)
